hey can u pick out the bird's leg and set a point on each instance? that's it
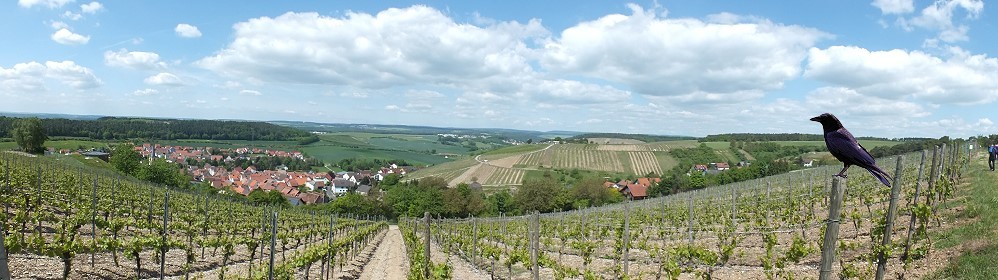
(843, 172)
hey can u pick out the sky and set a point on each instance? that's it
(886, 68)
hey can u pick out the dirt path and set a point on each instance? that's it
(389, 260)
(460, 268)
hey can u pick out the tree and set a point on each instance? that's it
(162, 172)
(537, 194)
(29, 135)
(125, 159)
(261, 197)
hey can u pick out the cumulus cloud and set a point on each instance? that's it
(423, 94)
(66, 37)
(663, 56)
(91, 8)
(133, 59)
(145, 92)
(938, 16)
(71, 15)
(250, 92)
(894, 6)
(51, 4)
(165, 79)
(31, 76)
(896, 74)
(846, 101)
(187, 31)
(393, 47)
(58, 25)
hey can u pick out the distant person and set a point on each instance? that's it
(992, 155)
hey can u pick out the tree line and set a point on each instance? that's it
(756, 137)
(114, 128)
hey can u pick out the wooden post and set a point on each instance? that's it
(914, 201)
(535, 229)
(691, 218)
(627, 237)
(734, 202)
(832, 229)
(933, 175)
(889, 225)
(474, 241)
(426, 246)
(4, 270)
(273, 243)
(93, 222)
(164, 234)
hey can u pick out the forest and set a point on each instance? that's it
(115, 128)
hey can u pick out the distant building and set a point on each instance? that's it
(95, 154)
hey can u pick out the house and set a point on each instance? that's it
(364, 189)
(809, 163)
(721, 166)
(634, 191)
(95, 154)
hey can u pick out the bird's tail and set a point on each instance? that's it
(881, 175)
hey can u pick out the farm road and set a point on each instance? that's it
(389, 260)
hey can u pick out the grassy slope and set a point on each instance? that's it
(978, 261)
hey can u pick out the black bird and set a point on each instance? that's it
(846, 149)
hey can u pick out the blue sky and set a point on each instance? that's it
(888, 68)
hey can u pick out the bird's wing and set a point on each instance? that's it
(844, 147)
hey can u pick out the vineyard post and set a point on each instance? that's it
(327, 268)
(4, 270)
(273, 243)
(933, 174)
(426, 245)
(691, 217)
(535, 230)
(163, 234)
(627, 236)
(889, 224)
(734, 202)
(939, 172)
(832, 229)
(911, 212)
(93, 222)
(38, 200)
(769, 187)
(474, 240)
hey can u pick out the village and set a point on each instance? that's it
(298, 187)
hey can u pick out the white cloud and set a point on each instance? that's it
(58, 25)
(66, 37)
(423, 94)
(847, 101)
(354, 94)
(187, 31)
(91, 8)
(72, 74)
(133, 59)
(145, 92)
(897, 74)
(51, 4)
(394, 47)
(250, 92)
(392, 107)
(894, 6)
(165, 79)
(668, 57)
(71, 15)
(938, 16)
(31, 76)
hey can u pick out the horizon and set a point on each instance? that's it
(886, 68)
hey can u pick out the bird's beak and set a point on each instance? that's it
(815, 119)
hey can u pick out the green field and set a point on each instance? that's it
(333, 154)
(60, 144)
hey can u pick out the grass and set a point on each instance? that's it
(868, 144)
(980, 198)
(333, 154)
(516, 149)
(60, 144)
